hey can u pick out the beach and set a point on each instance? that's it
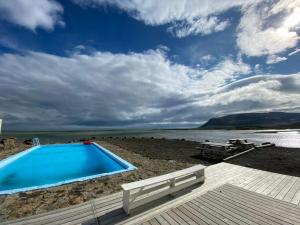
(152, 157)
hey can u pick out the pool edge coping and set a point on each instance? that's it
(113, 156)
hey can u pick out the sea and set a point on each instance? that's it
(284, 138)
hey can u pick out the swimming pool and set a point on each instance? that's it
(51, 165)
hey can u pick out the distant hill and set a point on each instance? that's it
(271, 120)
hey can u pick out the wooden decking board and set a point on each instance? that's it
(289, 196)
(280, 186)
(261, 176)
(242, 211)
(198, 220)
(154, 222)
(60, 212)
(296, 198)
(87, 213)
(205, 214)
(54, 217)
(146, 223)
(263, 213)
(210, 207)
(239, 212)
(287, 212)
(286, 188)
(263, 207)
(262, 198)
(187, 219)
(172, 214)
(247, 180)
(219, 214)
(273, 185)
(263, 186)
(112, 216)
(229, 212)
(103, 206)
(161, 220)
(108, 197)
(248, 175)
(175, 217)
(169, 219)
(74, 219)
(262, 182)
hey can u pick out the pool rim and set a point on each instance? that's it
(111, 155)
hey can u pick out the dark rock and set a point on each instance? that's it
(28, 142)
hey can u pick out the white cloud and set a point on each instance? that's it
(258, 36)
(272, 59)
(294, 52)
(105, 89)
(202, 26)
(224, 72)
(188, 17)
(32, 14)
(257, 94)
(266, 27)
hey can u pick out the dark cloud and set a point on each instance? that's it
(43, 91)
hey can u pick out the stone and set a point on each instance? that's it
(8, 143)
(28, 142)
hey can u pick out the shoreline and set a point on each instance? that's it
(152, 156)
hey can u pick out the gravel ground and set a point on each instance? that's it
(273, 159)
(152, 157)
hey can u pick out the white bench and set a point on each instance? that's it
(141, 192)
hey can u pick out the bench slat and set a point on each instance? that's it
(155, 180)
(154, 188)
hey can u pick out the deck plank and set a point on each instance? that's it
(199, 206)
(289, 196)
(236, 208)
(215, 218)
(169, 219)
(260, 197)
(272, 205)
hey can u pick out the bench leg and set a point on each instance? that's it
(172, 185)
(126, 202)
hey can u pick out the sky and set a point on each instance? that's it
(89, 64)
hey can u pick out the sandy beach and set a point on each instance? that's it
(152, 157)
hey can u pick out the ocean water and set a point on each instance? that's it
(51, 165)
(284, 138)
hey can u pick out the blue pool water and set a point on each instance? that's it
(51, 165)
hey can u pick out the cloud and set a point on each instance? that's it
(40, 90)
(272, 59)
(294, 52)
(266, 28)
(202, 26)
(184, 17)
(269, 92)
(257, 37)
(32, 14)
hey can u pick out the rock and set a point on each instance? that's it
(28, 142)
(2, 199)
(9, 143)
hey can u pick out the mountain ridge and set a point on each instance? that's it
(269, 120)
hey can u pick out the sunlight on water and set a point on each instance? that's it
(284, 138)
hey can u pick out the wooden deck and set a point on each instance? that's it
(229, 204)
(283, 190)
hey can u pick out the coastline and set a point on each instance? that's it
(152, 156)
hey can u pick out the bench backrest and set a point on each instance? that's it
(144, 191)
